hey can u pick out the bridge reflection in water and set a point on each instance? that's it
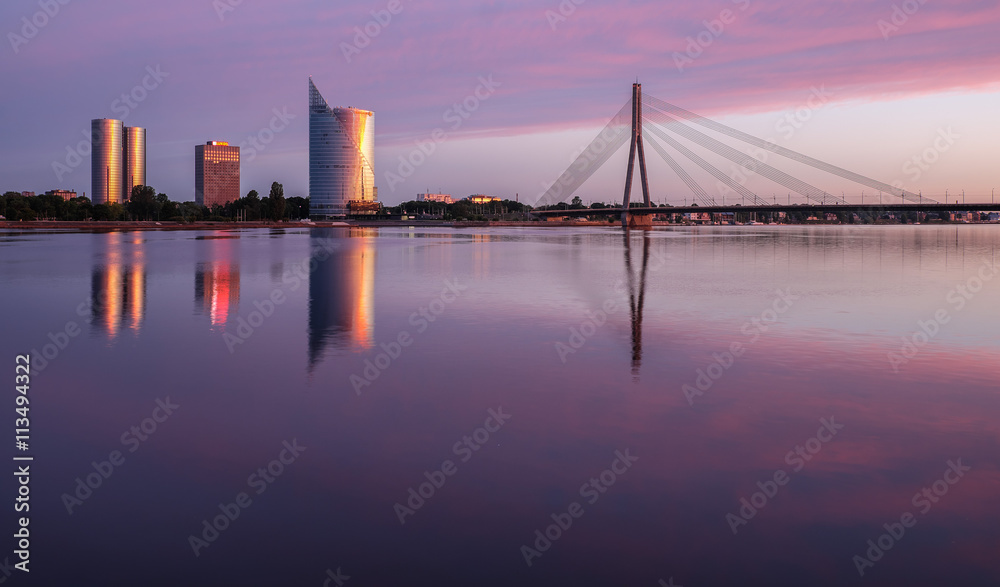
(636, 295)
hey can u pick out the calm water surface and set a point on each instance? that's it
(715, 406)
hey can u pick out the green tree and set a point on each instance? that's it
(142, 202)
(277, 201)
(112, 211)
(251, 204)
(48, 207)
(191, 212)
(169, 210)
(79, 209)
(159, 204)
(18, 207)
(298, 207)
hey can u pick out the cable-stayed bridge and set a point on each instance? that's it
(646, 119)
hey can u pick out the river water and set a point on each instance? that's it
(533, 406)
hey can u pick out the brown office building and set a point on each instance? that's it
(216, 173)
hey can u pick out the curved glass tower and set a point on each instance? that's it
(106, 161)
(134, 159)
(341, 153)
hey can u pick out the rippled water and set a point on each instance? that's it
(712, 406)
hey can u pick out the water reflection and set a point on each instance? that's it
(481, 256)
(118, 284)
(217, 282)
(860, 291)
(341, 290)
(636, 297)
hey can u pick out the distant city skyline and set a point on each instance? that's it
(498, 98)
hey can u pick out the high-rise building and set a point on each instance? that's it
(118, 160)
(133, 159)
(106, 160)
(216, 173)
(341, 155)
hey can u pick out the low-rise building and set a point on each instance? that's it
(441, 198)
(363, 207)
(482, 199)
(64, 194)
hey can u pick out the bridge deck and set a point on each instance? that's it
(820, 208)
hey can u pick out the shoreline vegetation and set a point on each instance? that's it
(148, 210)
(136, 225)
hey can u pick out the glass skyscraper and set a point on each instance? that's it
(106, 161)
(118, 160)
(341, 154)
(134, 160)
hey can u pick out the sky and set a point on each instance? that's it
(513, 90)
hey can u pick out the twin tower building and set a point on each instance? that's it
(119, 160)
(341, 157)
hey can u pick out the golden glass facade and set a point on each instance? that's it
(106, 161)
(341, 156)
(118, 160)
(134, 159)
(216, 173)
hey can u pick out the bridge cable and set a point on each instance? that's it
(745, 161)
(719, 175)
(689, 181)
(788, 153)
(614, 135)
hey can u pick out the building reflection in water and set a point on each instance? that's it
(481, 256)
(341, 290)
(636, 296)
(118, 284)
(217, 282)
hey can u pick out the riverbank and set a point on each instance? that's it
(128, 225)
(104, 226)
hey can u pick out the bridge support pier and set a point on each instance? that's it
(637, 220)
(634, 149)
